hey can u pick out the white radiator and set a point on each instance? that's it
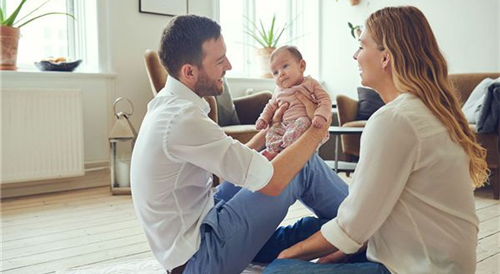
(42, 134)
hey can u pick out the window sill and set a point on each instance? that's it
(250, 79)
(55, 74)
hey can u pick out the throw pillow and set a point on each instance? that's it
(476, 98)
(226, 113)
(368, 102)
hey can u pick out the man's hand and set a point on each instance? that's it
(277, 117)
(260, 124)
(318, 121)
(278, 114)
(310, 106)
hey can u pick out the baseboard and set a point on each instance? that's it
(97, 174)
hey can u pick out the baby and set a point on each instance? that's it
(287, 67)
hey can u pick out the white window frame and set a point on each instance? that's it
(82, 35)
(297, 29)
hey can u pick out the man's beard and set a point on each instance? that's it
(207, 87)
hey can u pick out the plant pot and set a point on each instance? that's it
(354, 2)
(358, 32)
(263, 55)
(9, 40)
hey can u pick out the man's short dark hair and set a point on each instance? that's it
(292, 49)
(182, 40)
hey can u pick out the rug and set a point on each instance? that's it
(144, 266)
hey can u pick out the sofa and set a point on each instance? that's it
(248, 109)
(464, 84)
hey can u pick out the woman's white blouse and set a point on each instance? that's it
(411, 195)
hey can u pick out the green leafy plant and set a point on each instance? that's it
(355, 30)
(11, 21)
(266, 37)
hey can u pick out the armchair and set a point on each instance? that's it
(248, 108)
(464, 84)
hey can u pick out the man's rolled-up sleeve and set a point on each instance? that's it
(259, 173)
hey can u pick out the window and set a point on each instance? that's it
(301, 15)
(57, 35)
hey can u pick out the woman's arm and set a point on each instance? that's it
(313, 247)
(389, 151)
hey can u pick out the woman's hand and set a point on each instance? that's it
(313, 247)
(334, 258)
(339, 256)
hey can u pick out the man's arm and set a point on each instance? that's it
(291, 160)
(259, 140)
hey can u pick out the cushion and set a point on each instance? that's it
(472, 105)
(368, 102)
(226, 113)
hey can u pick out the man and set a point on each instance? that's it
(190, 228)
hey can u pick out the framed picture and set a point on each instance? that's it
(164, 7)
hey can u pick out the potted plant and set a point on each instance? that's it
(267, 38)
(10, 33)
(355, 30)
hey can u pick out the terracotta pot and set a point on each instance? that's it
(358, 32)
(263, 55)
(9, 40)
(354, 2)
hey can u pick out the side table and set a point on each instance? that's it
(336, 165)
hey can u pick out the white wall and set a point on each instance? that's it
(124, 35)
(95, 89)
(467, 32)
(129, 34)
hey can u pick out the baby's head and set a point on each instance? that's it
(287, 66)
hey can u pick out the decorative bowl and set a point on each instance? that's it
(59, 66)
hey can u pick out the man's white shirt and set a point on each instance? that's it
(176, 152)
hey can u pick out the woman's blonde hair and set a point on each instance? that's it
(419, 67)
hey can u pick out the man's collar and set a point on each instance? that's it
(176, 87)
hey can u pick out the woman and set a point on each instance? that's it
(411, 198)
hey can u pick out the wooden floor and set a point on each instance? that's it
(46, 233)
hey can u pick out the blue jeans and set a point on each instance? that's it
(287, 266)
(242, 227)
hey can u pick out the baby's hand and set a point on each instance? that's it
(318, 121)
(261, 124)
